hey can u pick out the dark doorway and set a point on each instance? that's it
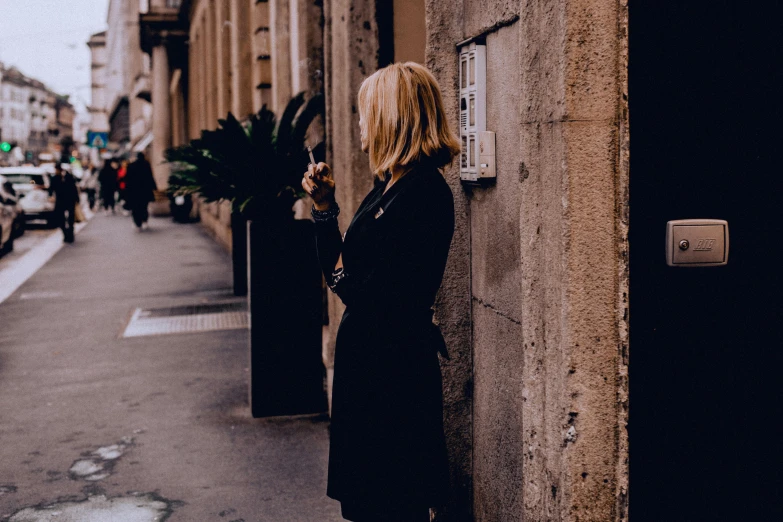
(706, 343)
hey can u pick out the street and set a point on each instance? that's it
(105, 420)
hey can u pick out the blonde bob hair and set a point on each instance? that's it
(402, 119)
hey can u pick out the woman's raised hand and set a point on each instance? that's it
(319, 184)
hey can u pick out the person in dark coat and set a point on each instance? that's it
(140, 189)
(387, 456)
(66, 196)
(107, 177)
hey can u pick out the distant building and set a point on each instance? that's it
(98, 110)
(123, 79)
(14, 107)
(32, 117)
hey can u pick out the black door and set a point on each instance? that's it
(705, 363)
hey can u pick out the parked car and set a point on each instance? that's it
(31, 185)
(8, 214)
(12, 198)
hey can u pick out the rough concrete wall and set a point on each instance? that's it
(546, 246)
(453, 310)
(481, 17)
(497, 307)
(570, 219)
(594, 119)
(352, 56)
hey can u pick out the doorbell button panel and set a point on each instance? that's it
(486, 154)
(697, 242)
(477, 156)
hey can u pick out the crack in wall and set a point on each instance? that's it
(499, 312)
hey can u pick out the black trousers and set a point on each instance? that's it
(91, 198)
(140, 214)
(65, 219)
(363, 513)
(108, 200)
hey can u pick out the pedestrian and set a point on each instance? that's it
(108, 180)
(387, 455)
(66, 196)
(89, 184)
(139, 190)
(122, 171)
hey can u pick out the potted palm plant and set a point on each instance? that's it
(257, 166)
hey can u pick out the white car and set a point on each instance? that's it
(8, 219)
(32, 187)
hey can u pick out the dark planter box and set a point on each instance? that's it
(285, 303)
(239, 253)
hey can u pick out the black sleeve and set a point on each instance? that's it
(416, 250)
(329, 243)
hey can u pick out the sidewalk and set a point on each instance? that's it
(97, 426)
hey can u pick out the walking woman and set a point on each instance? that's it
(387, 457)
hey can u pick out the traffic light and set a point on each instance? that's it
(5, 146)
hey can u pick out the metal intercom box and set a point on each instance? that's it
(697, 242)
(476, 160)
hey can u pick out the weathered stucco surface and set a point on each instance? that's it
(496, 301)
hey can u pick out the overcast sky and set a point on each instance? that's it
(47, 40)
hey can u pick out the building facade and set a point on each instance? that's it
(533, 305)
(125, 80)
(97, 111)
(32, 117)
(15, 107)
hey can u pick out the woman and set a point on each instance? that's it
(108, 180)
(140, 190)
(387, 457)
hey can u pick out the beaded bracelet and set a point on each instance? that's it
(325, 215)
(337, 275)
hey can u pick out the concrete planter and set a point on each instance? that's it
(285, 304)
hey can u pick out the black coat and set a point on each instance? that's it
(387, 442)
(139, 183)
(64, 190)
(108, 180)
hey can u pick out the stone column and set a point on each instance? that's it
(241, 61)
(279, 16)
(307, 46)
(161, 115)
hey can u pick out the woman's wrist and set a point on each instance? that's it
(323, 206)
(331, 212)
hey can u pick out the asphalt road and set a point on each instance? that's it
(98, 427)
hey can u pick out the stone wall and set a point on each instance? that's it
(542, 254)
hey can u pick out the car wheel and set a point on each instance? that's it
(9, 246)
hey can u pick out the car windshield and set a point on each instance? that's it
(37, 179)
